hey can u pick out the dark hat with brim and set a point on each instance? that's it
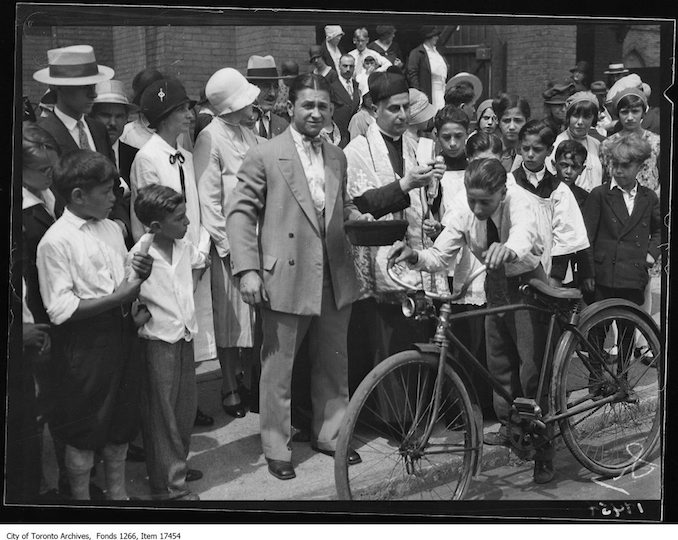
(582, 66)
(385, 30)
(161, 97)
(426, 32)
(142, 80)
(558, 94)
(599, 87)
(314, 52)
(383, 85)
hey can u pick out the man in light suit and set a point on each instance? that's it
(347, 97)
(298, 268)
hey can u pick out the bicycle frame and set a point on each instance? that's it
(444, 336)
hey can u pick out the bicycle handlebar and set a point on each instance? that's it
(435, 296)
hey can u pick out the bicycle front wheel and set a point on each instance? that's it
(614, 406)
(386, 423)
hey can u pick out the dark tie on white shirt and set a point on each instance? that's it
(495, 280)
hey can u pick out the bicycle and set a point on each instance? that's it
(416, 419)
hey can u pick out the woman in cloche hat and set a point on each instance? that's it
(163, 160)
(219, 151)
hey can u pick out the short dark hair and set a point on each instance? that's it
(482, 142)
(583, 108)
(487, 174)
(83, 169)
(503, 102)
(629, 101)
(35, 139)
(539, 128)
(308, 80)
(450, 114)
(155, 202)
(571, 147)
(461, 94)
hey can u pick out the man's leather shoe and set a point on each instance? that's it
(353, 456)
(543, 471)
(135, 453)
(282, 470)
(193, 474)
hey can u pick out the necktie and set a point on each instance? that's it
(313, 144)
(180, 158)
(83, 141)
(315, 176)
(262, 128)
(495, 280)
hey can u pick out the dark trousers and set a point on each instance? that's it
(625, 339)
(22, 472)
(515, 349)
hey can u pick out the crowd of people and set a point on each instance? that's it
(162, 231)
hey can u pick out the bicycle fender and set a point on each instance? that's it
(616, 302)
(464, 375)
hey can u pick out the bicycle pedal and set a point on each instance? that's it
(527, 408)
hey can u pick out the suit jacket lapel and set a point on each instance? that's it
(40, 214)
(293, 173)
(332, 181)
(615, 199)
(58, 130)
(639, 205)
(99, 136)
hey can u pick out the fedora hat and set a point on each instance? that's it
(616, 69)
(261, 68)
(228, 91)
(113, 91)
(468, 78)
(73, 66)
(142, 80)
(161, 97)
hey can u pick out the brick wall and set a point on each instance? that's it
(283, 42)
(641, 46)
(536, 54)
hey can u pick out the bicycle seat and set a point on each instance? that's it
(559, 293)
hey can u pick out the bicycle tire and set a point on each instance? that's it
(391, 467)
(617, 437)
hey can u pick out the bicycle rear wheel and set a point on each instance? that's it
(385, 422)
(615, 437)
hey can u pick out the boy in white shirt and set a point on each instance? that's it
(87, 296)
(169, 396)
(498, 224)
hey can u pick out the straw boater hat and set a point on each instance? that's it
(228, 91)
(468, 78)
(261, 68)
(72, 66)
(113, 92)
(616, 69)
